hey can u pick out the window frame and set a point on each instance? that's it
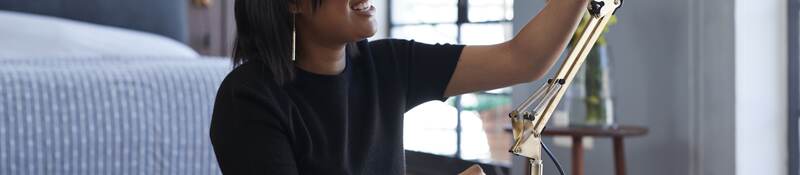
(461, 20)
(794, 86)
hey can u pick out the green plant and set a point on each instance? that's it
(582, 27)
(595, 75)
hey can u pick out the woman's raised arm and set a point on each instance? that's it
(526, 57)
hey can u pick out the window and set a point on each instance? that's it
(794, 86)
(471, 126)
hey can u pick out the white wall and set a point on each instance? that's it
(761, 87)
(708, 77)
(650, 66)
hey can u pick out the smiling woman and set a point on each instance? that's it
(333, 110)
(331, 102)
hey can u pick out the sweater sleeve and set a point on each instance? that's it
(426, 68)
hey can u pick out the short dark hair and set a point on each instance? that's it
(264, 35)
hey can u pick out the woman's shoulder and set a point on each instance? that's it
(249, 76)
(251, 83)
(247, 94)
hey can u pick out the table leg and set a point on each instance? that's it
(577, 155)
(527, 166)
(619, 155)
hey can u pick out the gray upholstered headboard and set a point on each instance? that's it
(164, 17)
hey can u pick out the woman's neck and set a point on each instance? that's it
(320, 58)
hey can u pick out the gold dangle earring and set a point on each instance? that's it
(294, 38)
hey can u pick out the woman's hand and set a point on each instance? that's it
(473, 170)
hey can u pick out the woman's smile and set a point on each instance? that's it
(363, 7)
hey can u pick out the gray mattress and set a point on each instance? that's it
(108, 115)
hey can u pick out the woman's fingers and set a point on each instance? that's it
(473, 170)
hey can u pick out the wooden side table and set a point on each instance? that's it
(617, 133)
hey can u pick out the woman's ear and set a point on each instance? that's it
(295, 7)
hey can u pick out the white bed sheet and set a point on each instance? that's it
(35, 36)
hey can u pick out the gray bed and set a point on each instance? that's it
(120, 101)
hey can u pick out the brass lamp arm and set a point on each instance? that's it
(528, 126)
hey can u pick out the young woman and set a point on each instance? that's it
(333, 102)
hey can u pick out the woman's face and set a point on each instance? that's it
(337, 20)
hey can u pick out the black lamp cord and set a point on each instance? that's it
(552, 157)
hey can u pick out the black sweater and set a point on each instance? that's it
(351, 123)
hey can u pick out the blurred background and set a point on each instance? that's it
(700, 87)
